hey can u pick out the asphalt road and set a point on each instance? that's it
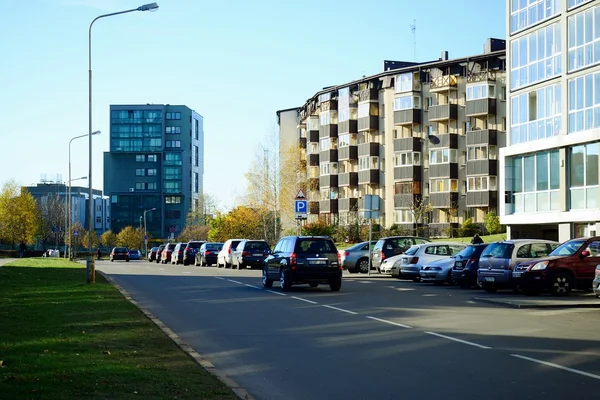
(378, 338)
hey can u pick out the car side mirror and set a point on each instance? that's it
(585, 253)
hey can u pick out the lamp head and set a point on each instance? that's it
(96, 133)
(148, 7)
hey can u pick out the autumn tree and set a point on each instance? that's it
(216, 233)
(75, 241)
(207, 207)
(132, 238)
(19, 214)
(51, 215)
(109, 239)
(242, 222)
(418, 206)
(194, 232)
(84, 239)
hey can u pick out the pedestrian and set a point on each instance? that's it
(22, 248)
(476, 239)
(98, 253)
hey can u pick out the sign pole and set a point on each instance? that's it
(369, 247)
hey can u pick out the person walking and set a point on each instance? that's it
(22, 248)
(476, 239)
(99, 253)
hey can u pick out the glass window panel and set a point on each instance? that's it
(530, 202)
(554, 170)
(577, 166)
(518, 174)
(529, 173)
(577, 199)
(591, 200)
(543, 202)
(554, 201)
(591, 167)
(542, 171)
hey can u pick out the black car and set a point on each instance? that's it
(464, 271)
(309, 260)
(190, 250)
(119, 253)
(152, 254)
(207, 254)
(250, 253)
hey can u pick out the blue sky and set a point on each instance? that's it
(235, 62)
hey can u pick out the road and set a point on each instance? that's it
(378, 338)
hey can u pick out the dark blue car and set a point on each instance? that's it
(464, 271)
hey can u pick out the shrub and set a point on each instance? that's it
(469, 228)
(492, 223)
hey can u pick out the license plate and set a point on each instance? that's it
(490, 279)
(458, 265)
(257, 255)
(317, 262)
(517, 274)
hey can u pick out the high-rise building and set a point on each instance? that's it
(550, 186)
(155, 167)
(424, 137)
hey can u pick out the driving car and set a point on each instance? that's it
(119, 253)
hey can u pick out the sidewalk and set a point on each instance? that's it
(574, 300)
(6, 260)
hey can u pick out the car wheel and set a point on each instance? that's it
(335, 285)
(561, 284)
(362, 266)
(267, 283)
(227, 265)
(284, 281)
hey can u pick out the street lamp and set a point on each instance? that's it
(68, 212)
(146, 232)
(89, 267)
(68, 196)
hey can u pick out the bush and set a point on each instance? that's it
(492, 223)
(468, 228)
(319, 228)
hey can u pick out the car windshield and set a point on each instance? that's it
(466, 252)
(412, 251)
(316, 246)
(498, 250)
(567, 248)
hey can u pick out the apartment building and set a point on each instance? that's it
(424, 137)
(550, 189)
(155, 167)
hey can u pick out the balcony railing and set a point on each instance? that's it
(447, 170)
(482, 136)
(368, 95)
(348, 126)
(408, 144)
(444, 82)
(368, 149)
(348, 179)
(482, 199)
(370, 123)
(481, 76)
(480, 107)
(328, 181)
(369, 176)
(326, 131)
(407, 117)
(482, 167)
(328, 206)
(443, 112)
(350, 204)
(411, 172)
(348, 153)
(443, 200)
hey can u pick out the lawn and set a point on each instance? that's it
(61, 338)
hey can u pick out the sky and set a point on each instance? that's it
(235, 62)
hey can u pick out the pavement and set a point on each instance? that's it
(378, 338)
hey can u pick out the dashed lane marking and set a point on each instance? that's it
(274, 292)
(252, 286)
(232, 281)
(458, 340)
(385, 321)
(305, 300)
(218, 277)
(549, 364)
(340, 309)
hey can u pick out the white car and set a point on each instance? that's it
(410, 263)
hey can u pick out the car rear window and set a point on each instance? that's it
(171, 246)
(315, 246)
(467, 252)
(194, 245)
(412, 251)
(256, 246)
(214, 246)
(120, 249)
(498, 250)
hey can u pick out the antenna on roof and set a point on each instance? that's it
(413, 29)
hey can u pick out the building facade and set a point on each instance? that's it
(423, 137)
(550, 187)
(287, 120)
(155, 167)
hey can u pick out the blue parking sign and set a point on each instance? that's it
(300, 206)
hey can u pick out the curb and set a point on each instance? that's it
(533, 306)
(203, 362)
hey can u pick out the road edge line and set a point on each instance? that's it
(557, 366)
(187, 349)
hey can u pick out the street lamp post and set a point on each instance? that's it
(89, 265)
(146, 231)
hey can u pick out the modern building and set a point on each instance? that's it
(287, 120)
(424, 137)
(155, 167)
(550, 188)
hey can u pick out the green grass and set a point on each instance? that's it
(61, 338)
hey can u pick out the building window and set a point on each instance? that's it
(140, 172)
(312, 124)
(172, 173)
(171, 130)
(535, 56)
(584, 102)
(151, 171)
(173, 159)
(196, 156)
(534, 182)
(324, 144)
(584, 38)
(404, 217)
(152, 158)
(173, 143)
(328, 117)
(196, 183)
(172, 187)
(347, 139)
(407, 102)
(196, 129)
(324, 97)
(408, 158)
(312, 148)
(481, 152)
(481, 183)
(140, 186)
(481, 91)
(98, 220)
(583, 176)
(443, 156)
(367, 109)
(407, 188)
(536, 115)
(525, 13)
(173, 115)
(140, 158)
(443, 185)
(575, 3)
(343, 114)
(327, 168)
(172, 200)
(405, 82)
(172, 214)
(151, 186)
(367, 162)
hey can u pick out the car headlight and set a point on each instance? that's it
(540, 266)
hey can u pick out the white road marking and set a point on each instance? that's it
(549, 364)
(339, 309)
(401, 289)
(252, 286)
(186, 272)
(429, 295)
(231, 280)
(218, 277)
(274, 292)
(306, 300)
(364, 282)
(458, 340)
(390, 322)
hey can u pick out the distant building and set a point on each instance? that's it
(156, 160)
(288, 136)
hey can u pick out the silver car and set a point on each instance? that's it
(438, 271)
(356, 258)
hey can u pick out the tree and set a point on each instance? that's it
(419, 207)
(52, 214)
(216, 233)
(492, 223)
(75, 241)
(207, 208)
(132, 238)
(19, 214)
(194, 232)
(319, 228)
(292, 178)
(109, 239)
(84, 239)
(241, 222)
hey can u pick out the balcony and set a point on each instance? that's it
(408, 144)
(348, 179)
(408, 173)
(370, 123)
(313, 207)
(330, 130)
(348, 126)
(368, 177)
(482, 167)
(482, 199)
(480, 107)
(481, 76)
(348, 153)
(350, 204)
(443, 112)
(328, 181)
(368, 149)
(407, 117)
(368, 95)
(482, 136)
(328, 206)
(313, 136)
(444, 140)
(443, 83)
(447, 170)
(443, 200)
(302, 142)
(329, 105)
(313, 160)
(328, 156)
(407, 200)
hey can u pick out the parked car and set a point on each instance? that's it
(190, 250)
(224, 256)
(207, 254)
(312, 260)
(392, 246)
(119, 253)
(165, 256)
(135, 254)
(152, 254)
(466, 265)
(409, 264)
(159, 252)
(177, 254)
(497, 261)
(438, 271)
(572, 265)
(356, 258)
(250, 253)
(596, 281)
